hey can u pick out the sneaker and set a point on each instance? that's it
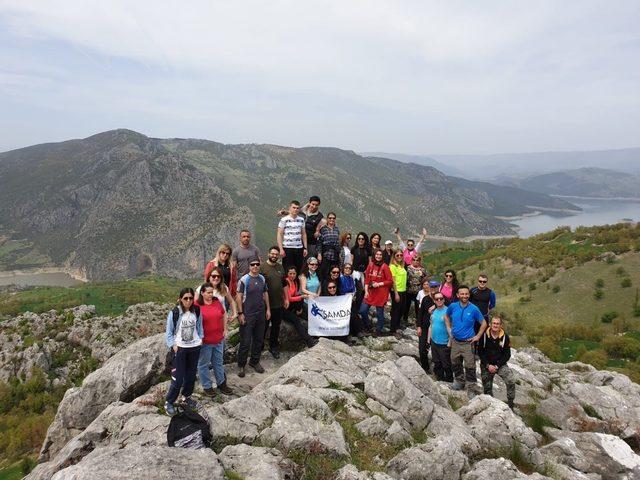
(457, 386)
(169, 409)
(274, 353)
(191, 403)
(224, 389)
(210, 392)
(257, 367)
(241, 373)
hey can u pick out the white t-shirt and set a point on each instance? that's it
(420, 296)
(292, 231)
(347, 255)
(187, 333)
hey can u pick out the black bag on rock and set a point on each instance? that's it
(188, 429)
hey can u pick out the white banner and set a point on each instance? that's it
(329, 316)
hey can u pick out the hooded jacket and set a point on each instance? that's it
(494, 351)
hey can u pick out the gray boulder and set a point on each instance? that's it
(499, 469)
(123, 377)
(440, 458)
(372, 426)
(350, 472)
(134, 463)
(258, 463)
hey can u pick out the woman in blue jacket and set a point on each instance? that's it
(184, 336)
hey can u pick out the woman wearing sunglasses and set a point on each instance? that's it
(309, 279)
(377, 283)
(438, 337)
(449, 287)
(224, 262)
(399, 290)
(360, 252)
(294, 305)
(334, 276)
(184, 336)
(223, 293)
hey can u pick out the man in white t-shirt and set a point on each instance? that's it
(292, 238)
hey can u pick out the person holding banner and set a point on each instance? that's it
(377, 283)
(351, 282)
(294, 306)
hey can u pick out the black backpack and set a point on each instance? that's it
(188, 429)
(175, 314)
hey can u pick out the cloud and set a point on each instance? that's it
(337, 73)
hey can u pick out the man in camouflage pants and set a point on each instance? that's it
(494, 351)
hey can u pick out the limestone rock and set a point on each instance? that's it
(293, 430)
(397, 435)
(445, 422)
(496, 427)
(499, 469)
(389, 386)
(411, 369)
(350, 472)
(372, 426)
(134, 463)
(258, 463)
(123, 377)
(439, 459)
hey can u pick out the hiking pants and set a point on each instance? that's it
(441, 356)
(410, 299)
(293, 257)
(462, 352)
(423, 348)
(291, 317)
(364, 315)
(183, 372)
(251, 338)
(506, 374)
(274, 333)
(397, 309)
(211, 354)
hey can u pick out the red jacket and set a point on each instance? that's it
(378, 296)
(213, 318)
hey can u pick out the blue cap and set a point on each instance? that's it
(434, 283)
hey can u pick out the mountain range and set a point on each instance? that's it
(119, 203)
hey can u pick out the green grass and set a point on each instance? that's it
(109, 298)
(569, 348)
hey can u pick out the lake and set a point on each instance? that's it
(594, 212)
(25, 279)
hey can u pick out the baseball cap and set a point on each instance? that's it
(434, 283)
(388, 242)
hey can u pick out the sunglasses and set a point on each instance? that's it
(348, 268)
(335, 272)
(331, 287)
(399, 255)
(214, 276)
(187, 298)
(225, 253)
(254, 264)
(313, 264)
(437, 299)
(482, 281)
(331, 218)
(448, 275)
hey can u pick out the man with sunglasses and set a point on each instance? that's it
(252, 299)
(483, 297)
(410, 249)
(461, 317)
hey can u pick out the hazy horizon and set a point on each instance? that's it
(413, 77)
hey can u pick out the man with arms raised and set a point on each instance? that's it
(244, 253)
(292, 238)
(460, 318)
(494, 350)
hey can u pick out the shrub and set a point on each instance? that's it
(532, 286)
(608, 317)
(598, 358)
(598, 294)
(599, 283)
(622, 347)
(625, 283)
(555, 289)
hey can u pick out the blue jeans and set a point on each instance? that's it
(211, 353)
(364, 314)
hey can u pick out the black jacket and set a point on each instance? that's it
(424, 317)
(494, 351)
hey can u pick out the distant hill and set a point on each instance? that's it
(119, 203)
(489, 167)
(420, 160)
(585, 182)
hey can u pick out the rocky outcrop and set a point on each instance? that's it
(357, 409)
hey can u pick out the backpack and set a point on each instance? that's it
(246, 278)
(175, 314)
(188, 429)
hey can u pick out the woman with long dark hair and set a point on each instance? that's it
(377, 283)
(334, 276)
(374, 242)
(184, 335)
(222, 292)
(360, 252)
(449, 288)
(214, 325)
(351, 282)
(345, 254)
(294, 305)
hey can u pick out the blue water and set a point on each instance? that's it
(594, 212)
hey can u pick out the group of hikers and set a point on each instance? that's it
(454, 321)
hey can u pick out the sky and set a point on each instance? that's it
(415, 77)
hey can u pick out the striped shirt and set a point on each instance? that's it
(292, 231)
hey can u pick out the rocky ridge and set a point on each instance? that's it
(353, 412)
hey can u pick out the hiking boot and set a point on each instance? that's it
(241, 372)
(210, 392)
(169, 409)
(457, 386)
(510, 403)
(274, 353)
(257, 367)
(224, 389)
(191, 403)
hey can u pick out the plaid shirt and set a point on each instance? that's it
(329, 243)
